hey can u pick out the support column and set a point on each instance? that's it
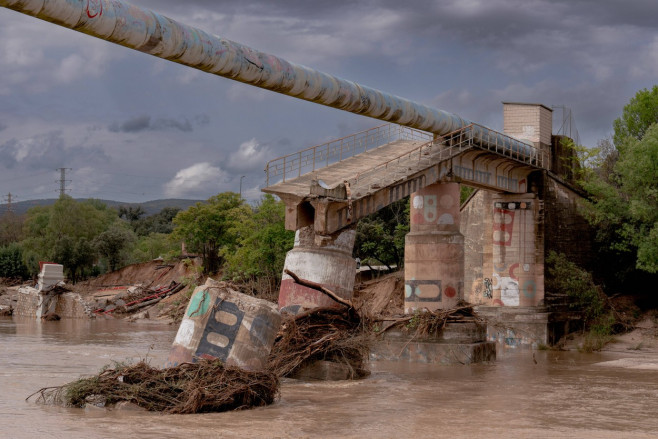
(518, 276)
(326, 260)
(434, 250)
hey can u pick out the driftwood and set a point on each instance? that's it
(316, 286)
(331, 334)
(430, 322)
(205, 386)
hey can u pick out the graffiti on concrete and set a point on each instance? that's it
(529, 288)
(509, 289)
(503, 226)
(221, 330)
(488, 288)
(424, 291)
(424, 209)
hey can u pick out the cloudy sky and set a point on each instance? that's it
(132, 127)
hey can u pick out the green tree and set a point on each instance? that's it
(11, 226)
(623, 190)
(638, 115)
(380, 236)
(207, 228)
(161, 222)
(114, 243)
(153, 246)
(56, 233)
(262, 242)
(131, 213)
(11, 261)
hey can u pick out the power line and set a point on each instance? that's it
(63, 180)
(8, 200)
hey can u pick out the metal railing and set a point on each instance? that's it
(319, 156)
(502, 144)
(422, 157)
(430, 152)
(444, 148)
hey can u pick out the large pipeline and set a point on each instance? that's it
(140, 29)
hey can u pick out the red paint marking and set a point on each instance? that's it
(498, 302)
(292, 294)
(96, 4)
(503, 227)
(450, 292)
(511, 271)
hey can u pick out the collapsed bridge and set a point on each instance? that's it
(428, 159)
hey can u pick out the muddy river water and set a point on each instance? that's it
(562, 395)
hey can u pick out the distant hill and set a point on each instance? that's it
(150, 207)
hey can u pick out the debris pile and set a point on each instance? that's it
(329, 334)
(135, 298)
(205, 386)
(431, 323)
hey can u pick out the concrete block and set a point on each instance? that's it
(50, 275)
(222, 323)
(458, 343)
(431, 352)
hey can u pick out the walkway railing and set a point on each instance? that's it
(444, 148)
(504, 145)
(431, 151)
(316, 157)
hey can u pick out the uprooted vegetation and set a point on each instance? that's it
(209, 386)
(330, 334)
(205, 386)
(431, 323)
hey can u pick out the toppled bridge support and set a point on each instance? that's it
(326, 260)
(49, 300)
(385, 164)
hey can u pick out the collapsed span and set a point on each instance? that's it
(141, 29)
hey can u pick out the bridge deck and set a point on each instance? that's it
(347, 170)
(333, 197)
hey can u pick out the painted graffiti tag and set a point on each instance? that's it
(94, 8)
(423, 290)
(488, 288)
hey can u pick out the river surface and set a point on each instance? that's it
(563, 395)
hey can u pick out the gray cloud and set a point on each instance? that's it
(134, 125)
(46, 151)
(145, 123)
(463, 56)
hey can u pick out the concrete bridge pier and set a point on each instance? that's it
(434, 250)
(434, 280)
(324, 259)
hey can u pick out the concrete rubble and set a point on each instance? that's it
(50, 300)
(221, 323)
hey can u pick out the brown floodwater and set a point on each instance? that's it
(563, 395)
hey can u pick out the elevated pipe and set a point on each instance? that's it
(141, 29)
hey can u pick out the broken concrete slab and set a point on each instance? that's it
(225, 324)
(50, 275)
(457, 343)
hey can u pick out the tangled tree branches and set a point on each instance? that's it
(320, 334)
(206, 386)
(426, 322)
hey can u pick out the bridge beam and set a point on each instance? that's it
(434, 250)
